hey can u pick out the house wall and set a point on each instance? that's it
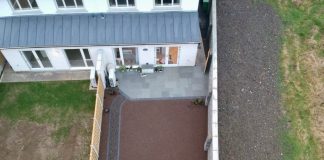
(146, 54)
(95, 6)
(188, 54)
(47, 6)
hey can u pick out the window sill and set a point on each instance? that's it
(167, 8)
(71, 10)
(27, 12)
(122, 9)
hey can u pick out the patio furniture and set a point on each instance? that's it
(147, 68)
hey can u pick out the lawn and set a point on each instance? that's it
(302, 77)
(63, 111)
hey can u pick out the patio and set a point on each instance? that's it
(162, 130)
(11, 76)
(173, 82)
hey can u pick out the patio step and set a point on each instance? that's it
(114, 127)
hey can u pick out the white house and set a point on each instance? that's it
(52, 35)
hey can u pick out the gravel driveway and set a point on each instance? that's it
(248, 52)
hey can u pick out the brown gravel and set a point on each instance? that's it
(163, 130)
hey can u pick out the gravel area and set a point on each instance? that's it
(163, 130)
(248, 59)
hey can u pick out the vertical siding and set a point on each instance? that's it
(23, 38)
(15, 32)
(110, 34)
(40, 32)
(49, 31)
(75, 31)
(99, 29)
(67, 29)
(58, 30)
(84, 30)
(7, 33)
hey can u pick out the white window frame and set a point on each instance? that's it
(169, 5)
(69, 7)
(23, 9)
(166, 64)
(121, 54)
(40, 63)
(83, 58)
(121, 6)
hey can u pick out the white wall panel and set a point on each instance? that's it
(144, 5)
(107, 54)
(189, 5)
(47, 6)
(5, 8)
(58, 58)
(15, 60)
(146, 54)
(94, 6)
(188, 54)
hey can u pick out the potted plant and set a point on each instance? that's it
(198, 101)
(159, 68)
(139, 69)
(130, 68)
(122, 68)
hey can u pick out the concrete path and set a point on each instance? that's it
(11, 76)
(114, 128)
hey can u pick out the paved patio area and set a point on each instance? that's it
(10, 76)
(175, 82)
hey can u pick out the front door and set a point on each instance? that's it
(37, 59)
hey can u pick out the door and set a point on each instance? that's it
(173, 56)
(37, 59)
(167, 56)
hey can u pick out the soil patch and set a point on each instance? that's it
(31, 141)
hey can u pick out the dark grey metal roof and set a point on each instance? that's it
(99, 29)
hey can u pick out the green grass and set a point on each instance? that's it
(299, 22)
(60, 104)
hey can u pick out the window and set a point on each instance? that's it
(121, 3)
(130, 56)
(167, 2)
(37, 59)
(126, 56)
(119, 60)
(24, 4)
(79, 57)
(160, 55)
(173, 55)
(69, 3)
(167, 55)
